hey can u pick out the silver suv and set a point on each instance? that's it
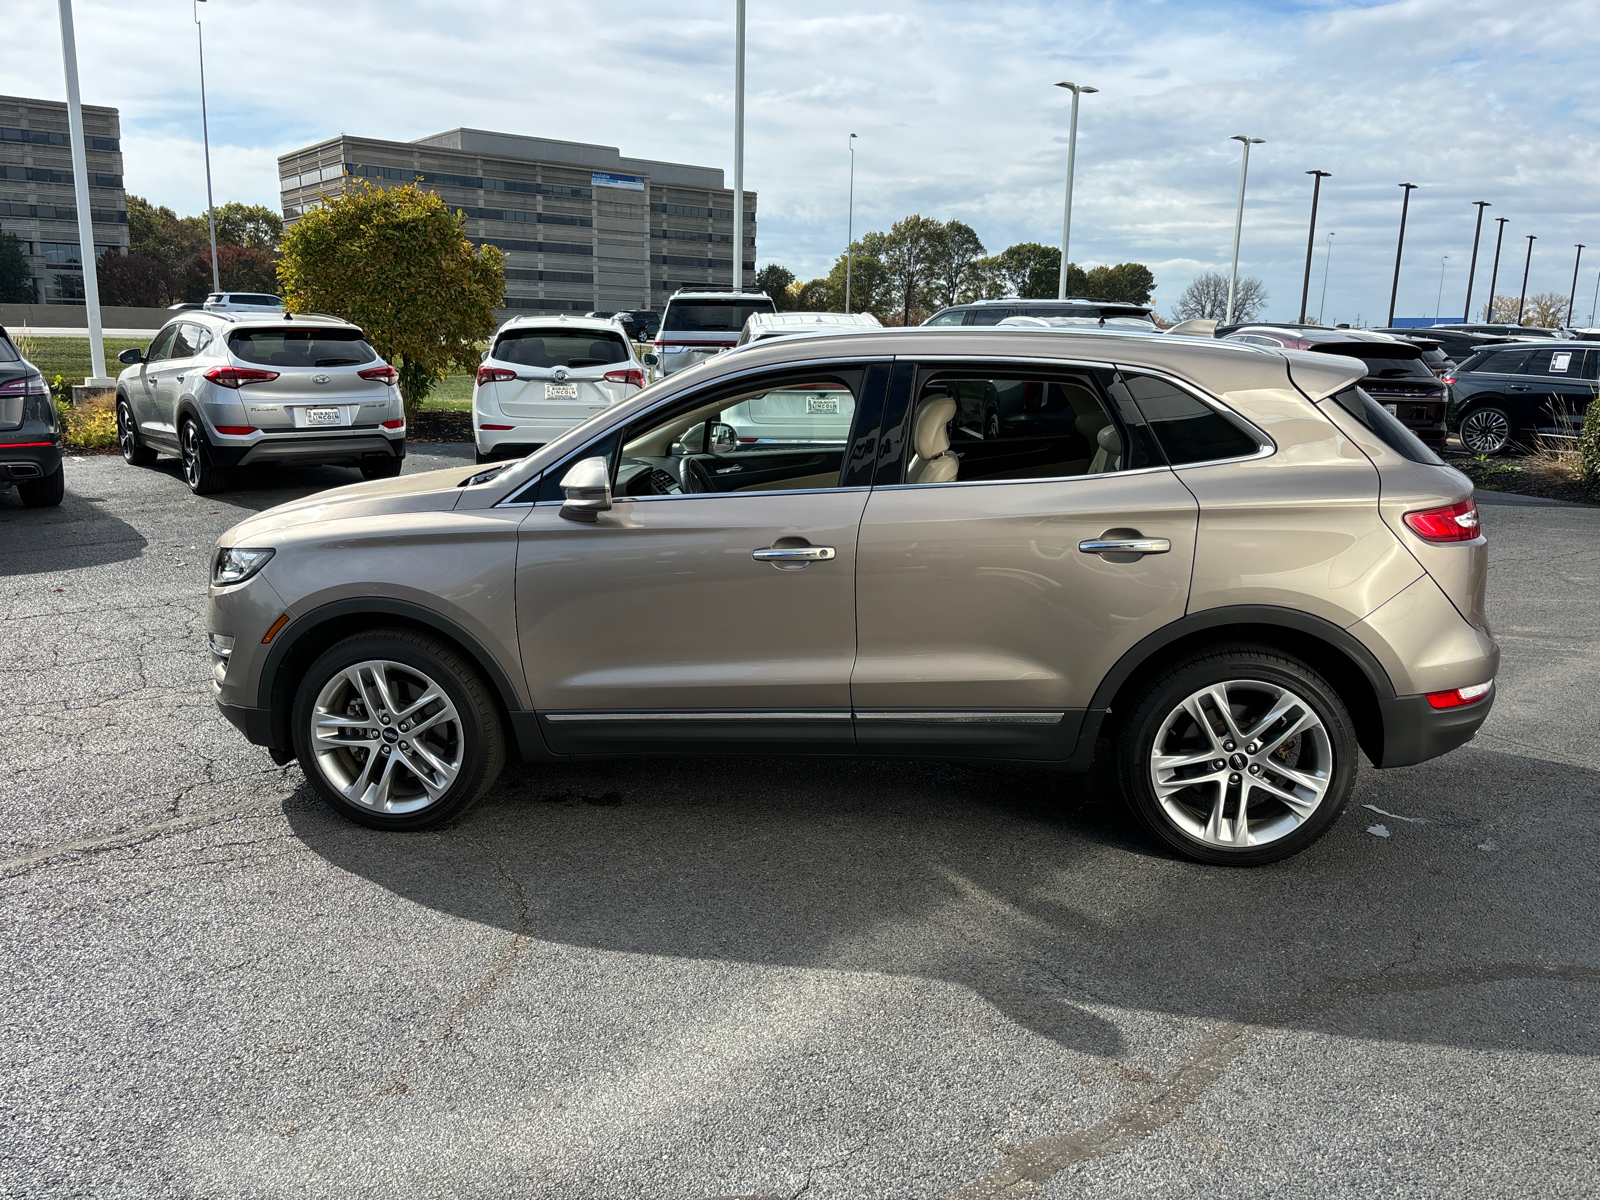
(1227, 566)
(223, 390)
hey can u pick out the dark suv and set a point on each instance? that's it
(30, 434)
(1459, 344)
(1517, 392)
(992, 312)
(1397, 374)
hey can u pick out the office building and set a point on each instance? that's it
(582, 227)
(37, 204)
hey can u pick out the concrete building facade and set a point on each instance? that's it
(582, 227)
(37, 204)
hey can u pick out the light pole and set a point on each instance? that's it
(1399, 249)
(1494, 276)
(1077, 89)
(1573, 299)
(1472, 268)
(1238, 218)
(205, 138)
(1311, 238)
(738, 147)
(80, 192)
(1522, 299)
(1327, 261)
(1594, 304)
(1439, 299)
(850, 223)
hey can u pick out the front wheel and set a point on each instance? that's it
(199, 471)
(396, 730)
(1238, 757)
(1487, 430)
(134, 452)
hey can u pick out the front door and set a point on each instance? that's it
(1031, 537)
(1560, 387)
(715, 600)
(169, 377)
(143, 394)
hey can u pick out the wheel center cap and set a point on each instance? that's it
(391, 735)
(1237, 762)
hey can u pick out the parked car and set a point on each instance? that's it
(764, 325)
(648, 322)
(992, 312)
(543, 375)
(242, 302)
(1458, 344)
(1118, 324)
(697, 325)
(1509, 395)
(225, 389)
(1396, 375)
(185, 306)
(1509, 331)
(1228, 562)
(1433, 355)
(30, 431)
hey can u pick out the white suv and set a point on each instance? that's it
(242, 302)
(697, 325)
(543, 375)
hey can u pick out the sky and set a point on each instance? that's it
(956, 115)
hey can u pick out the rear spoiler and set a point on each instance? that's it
(1319, 376)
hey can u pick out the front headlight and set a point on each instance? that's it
(236, 564)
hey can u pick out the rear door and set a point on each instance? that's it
(1557, 388)
(169, 377)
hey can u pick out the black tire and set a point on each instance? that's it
(991, 427)
(381, 468)
(1190, 821)
(200, 471)
(46, 492)
(472, 742)
(134, 452)
(479, 457)
(1488, 429)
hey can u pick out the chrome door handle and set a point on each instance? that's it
(1125, 546)
(1518, 387)
(794, 554)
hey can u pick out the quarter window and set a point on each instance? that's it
(1557, 361)
(989, 316)
(1504, 362)
(953, 317)
(1189, 431)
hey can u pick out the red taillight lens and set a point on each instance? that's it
(237, 377)
(28, 385)
(236, 430)
(496, 426)
(1458, 697)
(494, 375)
(386, 375)
(1447, 380)
(1452, 523)
(632, 375)
(400, 423)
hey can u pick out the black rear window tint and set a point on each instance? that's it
(1503, 362)
(301, 347)
(1385, 425)
(1188, 430)
(561, 348)
(712, 316)
(8, 352)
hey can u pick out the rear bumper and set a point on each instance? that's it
(20, 461)
(1414, 731)
(332, 450)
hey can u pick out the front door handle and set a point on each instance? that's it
(1131, 545)
(1518, 387)
(794, 554)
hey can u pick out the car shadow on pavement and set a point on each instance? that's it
(1034, 890)
(79, 532)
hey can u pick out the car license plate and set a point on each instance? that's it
(821, 404)
(560, 391)
(1394, 409)
(323, 416)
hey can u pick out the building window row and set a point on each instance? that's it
(678, 260)
(549, 276)
(690, 210)
(439, 178)
(687, 235)
(523, 215)
(539, 305)
(535, 247)
(49, 137)
(41, 175)
(67, 254)
(57, 212)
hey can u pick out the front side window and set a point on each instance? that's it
(161, 348)
(1189, 430)
(301, 347)
(561, 347)
(953, 317)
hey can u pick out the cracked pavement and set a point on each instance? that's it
(726, 978)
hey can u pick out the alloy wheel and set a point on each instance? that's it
(1486, 431)
(387, 737)
(1241, 764)
(191, 454)
(125, 434)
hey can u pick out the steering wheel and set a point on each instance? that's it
(693, 476)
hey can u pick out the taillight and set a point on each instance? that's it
(1452, 523)
(397, 423)
(497, 427)
(28, 385)
(236, 430)
(632, 375)
(1447, 380)
(494, 375)
(237, 377)
(386, 375)
(1457, 697)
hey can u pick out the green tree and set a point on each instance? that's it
(1032, 271)
(239, 269)
(775, 281)
(908, 251)
(16, 281)
(397, 262)
(1131, 283)
(952, 276)
(155, 231)
(253, 226)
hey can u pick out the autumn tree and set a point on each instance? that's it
(396, 262)
(1544, 310)
(1206, 298)
(134, 280)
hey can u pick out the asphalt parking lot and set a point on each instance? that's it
(726, 978)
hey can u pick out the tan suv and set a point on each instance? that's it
(1224, 565)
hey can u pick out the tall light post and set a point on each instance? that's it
(1522, 299)
(1077, 90)
(1472, 267)
(1399, 249)
(1238, 218)
(1311, 238)
(80, 192)
(850, 224)
(1327, 261)
(1439, 299)
(738, 147)
(1494, 276)
(205, 139)
(1594, 304)
(1573, 299)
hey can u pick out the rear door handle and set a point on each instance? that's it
(794, 554)
(1518, 387)
(1140, 545)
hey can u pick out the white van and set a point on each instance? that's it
(698, 324)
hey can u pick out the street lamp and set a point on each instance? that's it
(1573, 299)
(205, 138)
(1472, 268)
(738, 147)
(1400, 248)
(1311, 238)
(850, 223)
(1439, 299)
(1522, 299)
(1238, 218)
(1077, 89)
(1327, 261)
(80, 192)
(1494, 276)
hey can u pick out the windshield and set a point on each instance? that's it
(301, 347)
(561, 347)
(1383, 362)
(712, 316)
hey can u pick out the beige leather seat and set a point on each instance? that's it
(1106, 440)
(931, 460)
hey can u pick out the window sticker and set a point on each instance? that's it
(1560, 362)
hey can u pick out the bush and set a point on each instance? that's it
(1589, 451)
(90, 426)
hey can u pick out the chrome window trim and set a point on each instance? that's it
(731, 495)
(958, 483)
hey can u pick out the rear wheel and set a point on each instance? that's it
(46, 492)
(134, 452)
(1487, 430)
(199, 471)
(381, 468)
(1238, 757)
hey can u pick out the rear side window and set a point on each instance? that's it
(1503, 362)
(1557, 361)
(561, 348)
(712, 316)
(8, 352)
(252, 298)
(1188, 430)
(948, 318)
(301, 347)
(989, 316)
(1385, 425)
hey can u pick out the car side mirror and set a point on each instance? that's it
(484, 357)
(131, 356)
(588, 490)
(724, 437)
(650, 360)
